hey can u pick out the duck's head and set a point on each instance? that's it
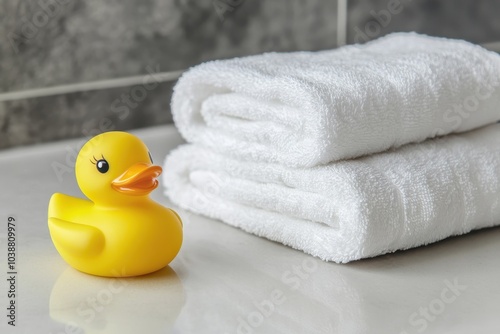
(115, 168)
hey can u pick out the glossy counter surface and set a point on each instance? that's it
(227, 281)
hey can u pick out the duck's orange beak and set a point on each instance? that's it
(139, 179)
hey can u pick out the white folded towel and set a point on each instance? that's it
(347, 210)
(310, 108)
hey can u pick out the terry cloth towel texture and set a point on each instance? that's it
(281, 144)
(351, 209)
(303, 109)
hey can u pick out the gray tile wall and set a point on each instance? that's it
(93, 39)
(48, 43)
(83, 114)
(477, 21)
(60, 43)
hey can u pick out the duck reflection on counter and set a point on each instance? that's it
(92, 304)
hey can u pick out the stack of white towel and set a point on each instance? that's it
(281, 144)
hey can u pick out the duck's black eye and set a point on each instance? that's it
(150, 158)
(102, 166)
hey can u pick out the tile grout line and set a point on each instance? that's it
(88, 86)
(341, 22)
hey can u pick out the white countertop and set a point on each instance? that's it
(227, 281)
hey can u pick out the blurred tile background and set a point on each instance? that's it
(476, 21)
(93, 40)
(83, 114)
(49, 43)
(63, 43)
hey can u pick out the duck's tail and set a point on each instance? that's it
(177, 215)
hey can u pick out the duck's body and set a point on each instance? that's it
(122, 241)
(116, 236)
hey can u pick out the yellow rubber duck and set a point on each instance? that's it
(120, 232)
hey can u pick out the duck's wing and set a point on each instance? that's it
(68, 208)
(78, 239)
